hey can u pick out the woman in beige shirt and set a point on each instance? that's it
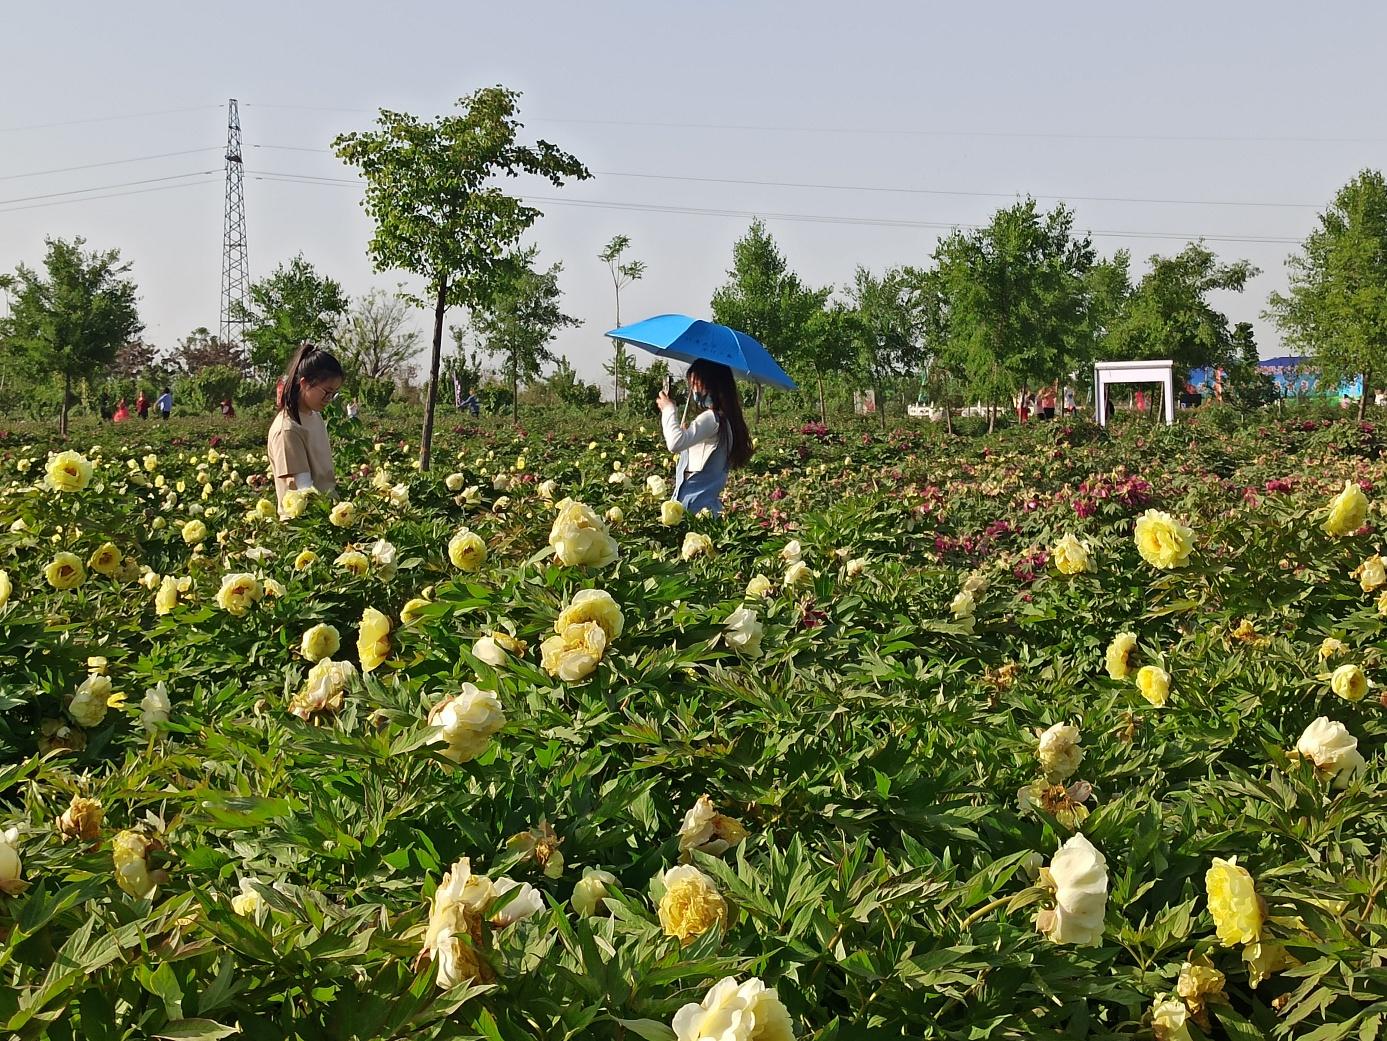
(300, 455)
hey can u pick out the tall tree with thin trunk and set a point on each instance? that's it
(623, 274)
(437, 213)
(73, 317)
(519, 319)
(1336, 309)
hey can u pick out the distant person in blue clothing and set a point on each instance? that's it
(165, 403)
(714, 443)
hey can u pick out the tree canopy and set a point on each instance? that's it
(437, 212)
(75, 315)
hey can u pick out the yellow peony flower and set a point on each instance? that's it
(467, 550)
(292, 505)
(1233, 902)
(1371, 573)
(264, 509)
(130, 851)
(1199, 983)
(238, 592)
(343, 515)
(1072, 557)
(324, 689)
(65, 571)
(496, 648)
(466, 721)
(6, 588)
(68, 472)
(353, 560)
(580, 538)
(1119, 655)
(615, 515)
(1347, 511)
(696, 544)
(748, 1011)
(592, 605)
(166, 599)
(671, 513)
(304, 559)
(691, 904)
(1330, 646)
(1154, 684)
(373, 639)
(319, 642)
(1163, 541)
(573, 654)
(193, 532)
(759, 586)
(1169, 1019)
(410, 613)
(248, 903)
(1349, 682)
(1059, 751)
(591, 890)
(106, 560)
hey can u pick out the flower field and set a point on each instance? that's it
(1039, 735)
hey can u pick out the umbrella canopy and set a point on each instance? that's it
(688, 339)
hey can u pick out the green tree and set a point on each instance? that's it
(293, 305)
(201, 349)
(763, 298)
(885, 329)
(518, 321)
(375, 339)
(437, 213)
(563, 383)
(1017, 297)
(1336, 308)
(623, 274)
(75, 316)
(1168, 314)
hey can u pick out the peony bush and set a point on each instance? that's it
(1041, 735)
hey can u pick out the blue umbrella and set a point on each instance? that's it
(687, 339)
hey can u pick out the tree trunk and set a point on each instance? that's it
(823, 409)
(426, 441)
(515, 393)
(948, 419)
(881, 408)
(1363, 398)
(67, 394)
(991, 417)
(758, 406)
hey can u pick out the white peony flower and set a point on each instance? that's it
(155, 706)
(1059, 751)
(1079, 875)
(526, 902)
(1332, 749)
(466, 721)
(742, 631)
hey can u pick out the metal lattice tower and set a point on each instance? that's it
(235, 266)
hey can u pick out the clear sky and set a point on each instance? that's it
(1234, 121)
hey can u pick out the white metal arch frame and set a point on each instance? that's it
(1107, 373)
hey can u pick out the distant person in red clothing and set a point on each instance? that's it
(228, 409)
(122, 413)
(142, 406)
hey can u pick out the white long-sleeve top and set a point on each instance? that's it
(699, 438)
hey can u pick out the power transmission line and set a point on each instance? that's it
(109, 162)
(905, 131)
(902, 191)
(112, 195)
(105, 187)
(811, 218)
(106, 119)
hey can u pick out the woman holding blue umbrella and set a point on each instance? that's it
(714, 443)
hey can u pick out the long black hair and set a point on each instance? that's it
(308, 363)
(727, 406)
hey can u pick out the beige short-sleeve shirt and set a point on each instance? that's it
(301, 447)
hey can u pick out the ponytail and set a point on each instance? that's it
(308, 363)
